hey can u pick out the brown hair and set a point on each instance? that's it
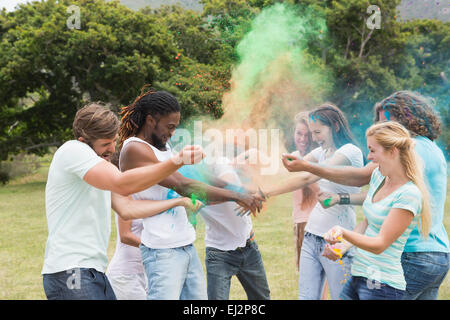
(414, 111)
(302, 117)
(309, 197)
(95, 121)
(331, 116)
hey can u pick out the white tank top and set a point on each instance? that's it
(171, 228)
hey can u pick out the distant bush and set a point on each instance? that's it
(18, 166)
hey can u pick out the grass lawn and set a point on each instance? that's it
(22, 242)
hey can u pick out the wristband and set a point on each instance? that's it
(344, 198)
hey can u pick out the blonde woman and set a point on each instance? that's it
(396, 202)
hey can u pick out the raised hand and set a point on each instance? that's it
(292, 163)
(328, 199)
(189, 155)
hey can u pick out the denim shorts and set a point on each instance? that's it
(361, 288)
(78, 284)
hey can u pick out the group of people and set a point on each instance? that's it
(400, 250)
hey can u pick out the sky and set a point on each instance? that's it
(410, 8)
(10, 4)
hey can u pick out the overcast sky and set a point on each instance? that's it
(407, 6)
(10, 4)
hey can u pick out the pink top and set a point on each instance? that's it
(300, 214)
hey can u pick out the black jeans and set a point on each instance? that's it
(78, 284)
(245, 263)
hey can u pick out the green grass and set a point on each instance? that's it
(22, 242)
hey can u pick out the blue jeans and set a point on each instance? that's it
(78, 284)
(174, 273)
(244, 263)
(424, 273)
(361, 288)
(315, 268)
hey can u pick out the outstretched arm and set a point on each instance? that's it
(346, 175)
(302, 179)
(138, 155)
(327, 199)
(106, 176)
(129, 209)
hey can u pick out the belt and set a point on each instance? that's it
(250, 239)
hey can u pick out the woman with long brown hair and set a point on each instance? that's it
(337, 147)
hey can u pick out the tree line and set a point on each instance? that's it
(49, 70)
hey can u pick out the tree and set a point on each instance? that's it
(48, 71)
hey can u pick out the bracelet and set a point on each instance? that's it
(344, 198)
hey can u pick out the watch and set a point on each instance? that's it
(344, 198)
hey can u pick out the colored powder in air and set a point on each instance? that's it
(276, 77)
(339, 253)
(193, 215)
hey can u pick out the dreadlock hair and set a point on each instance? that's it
(149, 102)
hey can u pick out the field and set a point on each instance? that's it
(24, 233)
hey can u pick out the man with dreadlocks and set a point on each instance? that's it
(425, 262)
(82, 186)
(173, 268)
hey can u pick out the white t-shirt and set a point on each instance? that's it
(171, 228)
(78, 214)
(127, 259)
(321, 220)
(224, 229)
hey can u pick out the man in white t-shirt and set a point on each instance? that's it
(170, 259)
(82, 186)
(231, 249)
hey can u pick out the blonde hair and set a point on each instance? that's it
(391, 135)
